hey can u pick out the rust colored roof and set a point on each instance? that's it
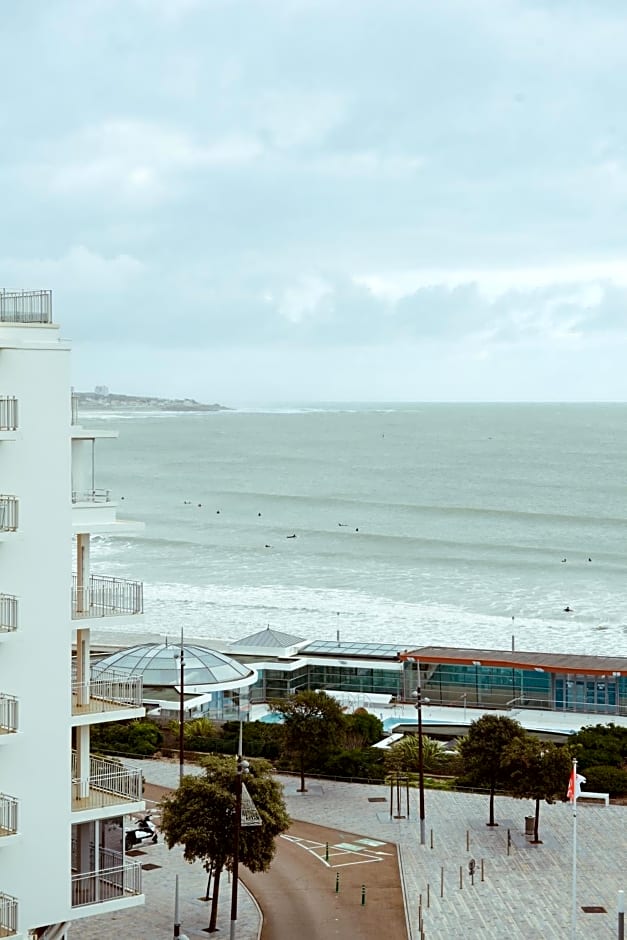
(547, 662)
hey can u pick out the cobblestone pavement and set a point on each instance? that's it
(526, 894)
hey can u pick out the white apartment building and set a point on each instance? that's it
(61, 810)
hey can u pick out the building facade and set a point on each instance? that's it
(61, 810)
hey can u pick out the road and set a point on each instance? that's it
(298, 894)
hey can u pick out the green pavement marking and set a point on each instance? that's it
(371, 842)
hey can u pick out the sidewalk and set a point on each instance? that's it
(525, 895)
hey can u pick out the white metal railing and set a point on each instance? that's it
(8, 814)
(8, 712)
(8, 413)
(74, 405)
(8, 915)
(106, 597)
(120, 881)
(8, 513)
(110, 686)
(106, 778)
(91, 496)
(25, 306)
(8, 613)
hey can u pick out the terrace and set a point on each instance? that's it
(108, 784)
(106, 597)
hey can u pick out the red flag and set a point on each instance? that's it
(574, 786)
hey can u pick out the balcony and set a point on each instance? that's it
(108, 784)
(8, 513)
(106, 597)
(107, 691)
(115, 878)
(8, 613)
(25, 306)
(8, 413)
(8, 714)
(8, 816)
(8, 915)
(91, 496)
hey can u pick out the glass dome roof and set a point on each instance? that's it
(159, 665)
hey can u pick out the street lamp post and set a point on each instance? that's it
(242, 768)
(180, 655)
(421, 776)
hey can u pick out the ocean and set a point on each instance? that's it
(420, 524)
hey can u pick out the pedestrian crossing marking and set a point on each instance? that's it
(337, 855)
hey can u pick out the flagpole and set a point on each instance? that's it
(574, 785)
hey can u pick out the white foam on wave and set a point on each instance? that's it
(228, 612)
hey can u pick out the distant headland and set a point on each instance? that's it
(103, 400)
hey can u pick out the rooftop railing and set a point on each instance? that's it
(8, 915)
(8, 513)
(107, 884)
(108, 783)
(74, 402)
(8, 815)
(91, 496)
(25, 306)
(8, 713)
(8, 613)
(8, 413)
(106, 597)
(108, 688)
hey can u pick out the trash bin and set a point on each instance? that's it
(530, 824)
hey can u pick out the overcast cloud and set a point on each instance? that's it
(253, 200)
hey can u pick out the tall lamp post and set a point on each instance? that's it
(421, 775)
(242, 768)
(181, 656)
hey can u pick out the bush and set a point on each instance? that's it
(600, 745)
(605, 779)
(140, 737)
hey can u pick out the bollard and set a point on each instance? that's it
(326, 852)
(471, 869)
(461, 877)
(468, 840)
(428, 896)
(509, 840)
(432, 838)
(482, 878)
(442, 882)
(337, 882)
(363, 895)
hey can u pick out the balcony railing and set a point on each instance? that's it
(106, 597)
(8, 613)
(118, 881)
(8, 815)
(8, 413)
(8, 513)
(106, 691)
(8, 915)
(91, 496)
(74, 403)
(26, 306)
(8, 713)
(108, 783)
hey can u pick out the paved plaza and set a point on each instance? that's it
(525, 894)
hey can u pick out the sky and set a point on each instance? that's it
(303, 200)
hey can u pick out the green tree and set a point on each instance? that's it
(482, 751)
(596, 745)
(200, 816)
(402, 757)
(362, 729)
(537, 771)
(312, 722)
(139, 736)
